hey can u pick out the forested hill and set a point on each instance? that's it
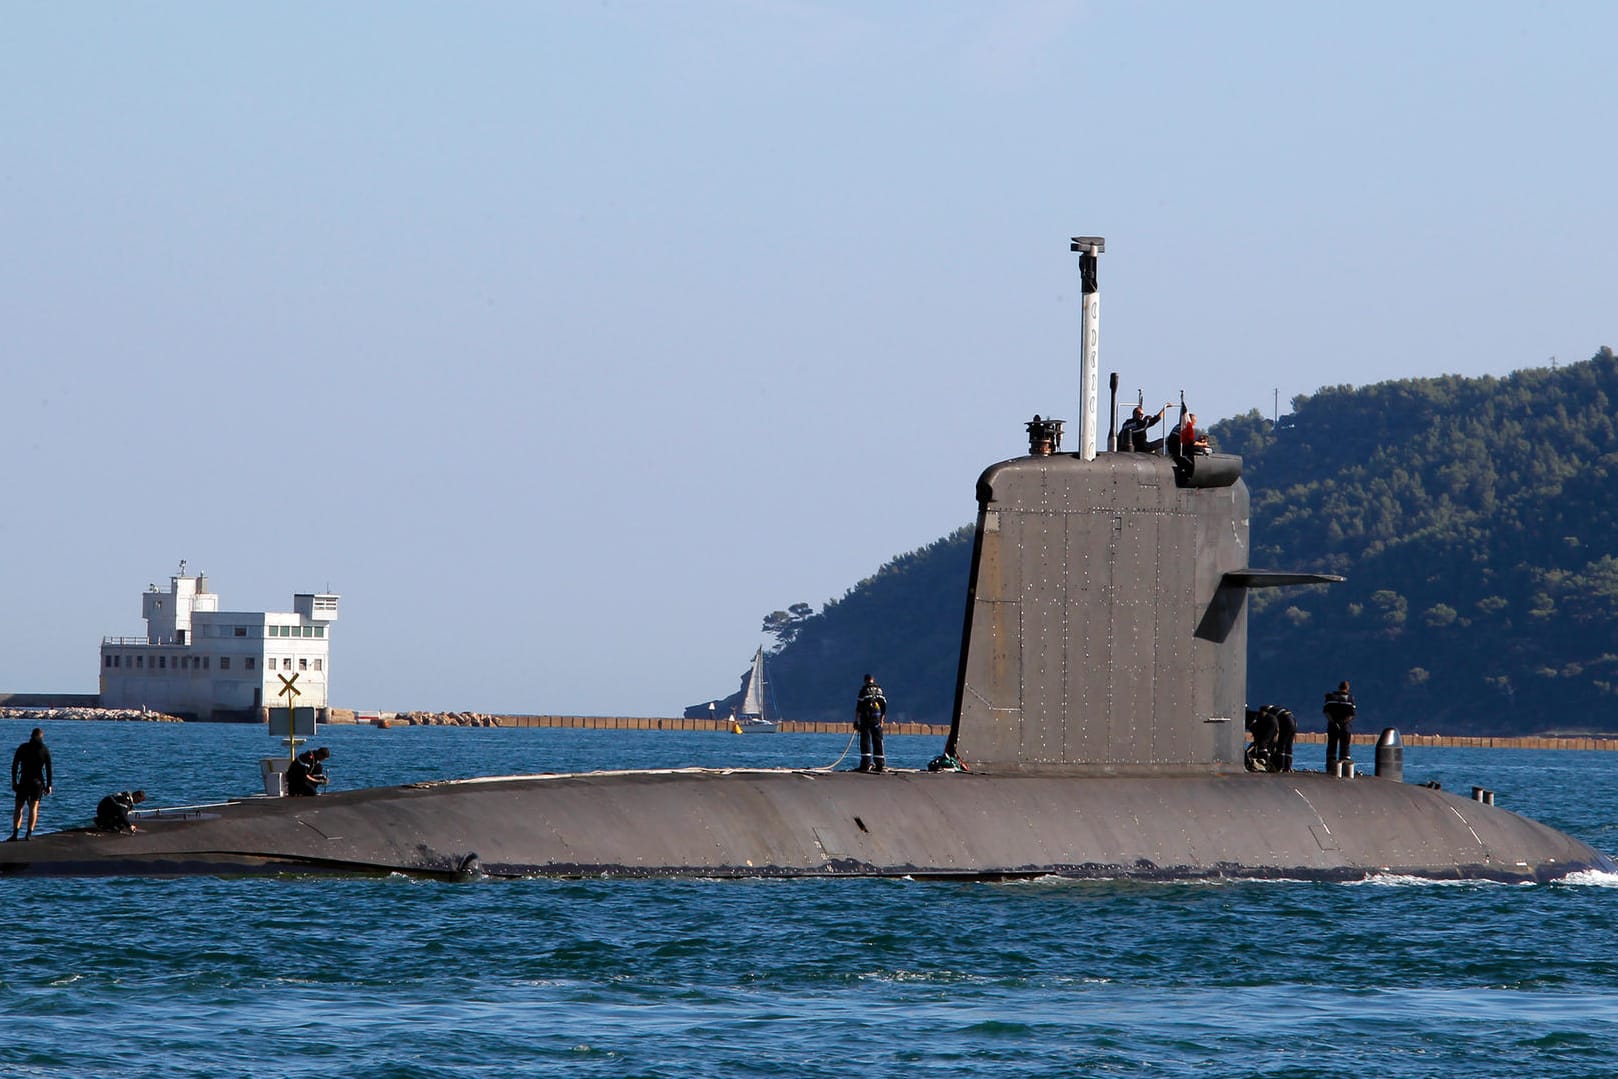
(1475, 521)
(1472, 518)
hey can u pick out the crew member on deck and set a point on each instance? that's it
(1261, 753)
(112, 813)
(307, 774)
(32, 779)
(869, 708)
(1286, 734)
(1339, 710)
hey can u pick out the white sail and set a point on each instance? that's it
(753, 699)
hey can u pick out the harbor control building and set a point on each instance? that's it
(201, 662)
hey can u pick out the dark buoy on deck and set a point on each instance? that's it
(1390, 756)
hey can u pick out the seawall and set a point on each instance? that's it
(604, 723)
(645, 723)
(11, 709)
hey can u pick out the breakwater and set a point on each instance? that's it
(1478, 741)
(787, 726)
(604, 723)
(644, 723)
(140, 715)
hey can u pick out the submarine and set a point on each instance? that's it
(1099, 709)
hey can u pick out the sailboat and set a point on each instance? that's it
(754, 718)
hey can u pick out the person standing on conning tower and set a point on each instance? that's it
(1132, 435)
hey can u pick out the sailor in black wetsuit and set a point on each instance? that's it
(307, 773)
(32, 779)
(1261, 753)
(1286, 734)
(112, 813)
(869, 708)
(1339, 709)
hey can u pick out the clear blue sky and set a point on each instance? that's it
(566, 341)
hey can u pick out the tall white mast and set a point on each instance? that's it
(1089, 247)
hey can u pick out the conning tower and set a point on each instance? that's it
(1106, 621)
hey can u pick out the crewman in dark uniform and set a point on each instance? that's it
(32, 779)
(307, 773)
(1274, 732)
(869, 708)
(112, 813)
(1132, 435)
(1261, 753)
(1286, 734)
(1339, 710)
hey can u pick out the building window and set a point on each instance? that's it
(320, 631)
(248, 662)
(317, 664)
(185, 663)
(205, 662)
(224, 663)
(286, 663)
(239, 631)
(140, 661)
(163, 662)
(303, 664)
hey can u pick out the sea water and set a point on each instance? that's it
(399, 977)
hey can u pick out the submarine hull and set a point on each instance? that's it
(1100, 692)
(773, 823)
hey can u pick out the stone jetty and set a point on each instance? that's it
(128, 715)
(654, 723)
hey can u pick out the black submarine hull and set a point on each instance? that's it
(775, 823)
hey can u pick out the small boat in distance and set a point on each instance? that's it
(754, 717)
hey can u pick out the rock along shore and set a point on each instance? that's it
(139, 715)
(606, 723)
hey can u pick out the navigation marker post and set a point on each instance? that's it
(290, 691)
(296, 725)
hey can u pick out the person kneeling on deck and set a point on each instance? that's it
(1261, 753)
(307, 774)
(112, 813)
(869, 708)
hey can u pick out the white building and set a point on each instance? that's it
(197, 660)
